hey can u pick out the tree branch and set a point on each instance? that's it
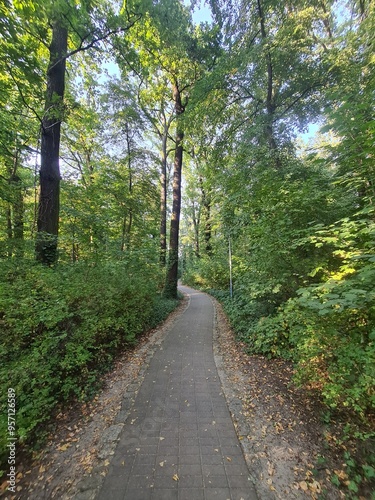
(90, 45)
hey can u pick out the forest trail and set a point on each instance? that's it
(178, 441)
(161, 419)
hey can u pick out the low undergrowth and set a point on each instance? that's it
(331, 346)
(61, 330)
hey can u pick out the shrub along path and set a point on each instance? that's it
(179, 441)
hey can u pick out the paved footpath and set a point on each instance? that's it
(179, 441)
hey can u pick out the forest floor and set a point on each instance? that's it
(279, 426)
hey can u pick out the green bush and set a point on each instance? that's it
(61, 329)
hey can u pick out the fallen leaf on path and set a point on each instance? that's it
(271, 469)
(303, 485)
(175, 477)
(315, 486)
(64, 447)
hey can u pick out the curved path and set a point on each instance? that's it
(179, 441)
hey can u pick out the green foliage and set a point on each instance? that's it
(61, 329)
(207, 273)
(301, 226)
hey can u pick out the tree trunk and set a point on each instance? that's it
(9, 230)
(130, 172)
(48, 209)
(163, 201)
(170, 290)
(123, 232)
(206, 203)
(270, 105)
(18, 216)
(196, 224)
(208, 228)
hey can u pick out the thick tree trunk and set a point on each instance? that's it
(163, 202)
(170, 289)
(48, 209)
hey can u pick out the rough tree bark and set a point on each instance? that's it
(49, 197)
(170, 289)
(163, 200)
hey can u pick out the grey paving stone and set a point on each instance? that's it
(168, 450)
(107, 493)
(212, 459)
(143, 482)
(189, 450)
(165, 482)
(215, 481)
(213, 470)
(135, 494)
(189, 459)
(240, 482)
(235, 470)
(190, 470)
(143, 469)
(164, 494)
(218, 494)
(145, 459)
(242, 494)
(190, 482)
(191, 494)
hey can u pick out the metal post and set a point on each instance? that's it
(230, 270)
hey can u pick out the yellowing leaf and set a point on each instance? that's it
(315, 486)
(303, 485)
(64, 447)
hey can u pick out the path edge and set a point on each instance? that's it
(234, 403)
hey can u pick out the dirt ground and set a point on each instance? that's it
(279, 427)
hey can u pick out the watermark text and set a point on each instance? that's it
(11, 445)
